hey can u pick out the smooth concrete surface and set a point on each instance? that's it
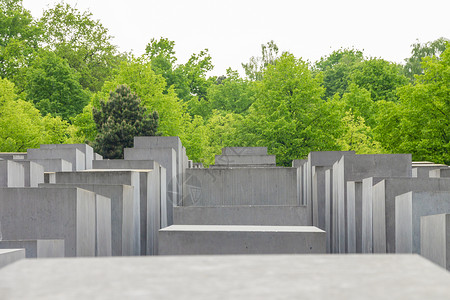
(9, 256)
(318, 196)
(240, 215)
(36, 248)
(356, 168)
(103, 226)
(123, 237)
(349, 277)
(384, 211)
(12, 155)
(242, 151)
(253, 160)
(240, 186)
(329, 225)
(237, 239)
(37, 213)
(86, 149)
(435, 239)
(12, 174)
(299, 165)
(439, 173)
(33, 172)
(72, 155)
(409, 208)
(423, 171)
(120, 177)
(54, 164)
(354, 221)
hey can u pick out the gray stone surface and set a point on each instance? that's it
(241, 151)
(120, 177)
(243, 160)
(435, 239)
(54, 164)
(36, 213)
(241, 215)
(299, 165)
(318, 196)
(356, 168)
(86, 149)
(354, 216)
(12, 155)
(33, 173)
(329, 225)
(439, 173)
(423, 171)
(103, 226)
(9, 256)
(236, 239)
(409, 208)
(240, 186)
(350, 277)
(12, 174)
(384, 211)
(72, 155)
(122, 235)
(36, 248)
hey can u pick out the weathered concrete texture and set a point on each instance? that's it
(366, 211)
(423, 171)
(9, 256)
(439, 173)
(33, 173)
(240, 151)
(435, 239)
(72, 155)
(120, 177)
(350, 277)
(153, 196)
(384, 211)
(240, 186)
(86, 149)
(245, 160)
(241, 215)
(356, 168)
(236, 239)
(409, 208)
(12, 174)
(54, 164)
(167, 158)
(36, 213)
(36, 248)
(122, 235)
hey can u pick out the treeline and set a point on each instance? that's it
(57, 69)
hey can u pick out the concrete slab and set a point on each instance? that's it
(36, 248)
(236, 239)
(36, 213)
(409, 208)
(72, 155)
(350, 277)
(54, 164)
(86, 149)
(423, 171)
(384, 210)
(12, 155)
(243, 151)
(12, 174)
(9, 256)
(435, 239)
(244, 160)
(33, 172)
(241, 215)
(299, 165)
(439, 173)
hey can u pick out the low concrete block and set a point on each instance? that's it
(216, 239)
(37, 248)
(243, 151)
(384, 209)
(36, 213)
(72, 155)
(241, 215)
(85, 149)
(435, 239)
(245, 160)
(33, 173)
(8, 256)
(12, 174)
(409, 208)
(423, 171)
(54, 164)
(439, 173)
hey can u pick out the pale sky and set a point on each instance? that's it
(233, 30)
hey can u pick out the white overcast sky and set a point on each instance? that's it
(233, 30)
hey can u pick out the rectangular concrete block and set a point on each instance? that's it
(318, 196)
(33, 173)
(423, 171)
(299, 165)
(36, 213)
(439, 173)
(384, 210)
(84, 148)
(243, 151)
(409, 208)
(114, 177)
(329, 208)
(54, 164)
(36, 248)
(435, 239)
(216, 239)
(12, 174)
(241, 215)
(9, 256)
(72, 155)
(243, 160)
(12, 155)
(240, 186)
(354, 202)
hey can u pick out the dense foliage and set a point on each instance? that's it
(58, 72)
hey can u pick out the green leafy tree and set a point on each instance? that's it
(254, 69)
(84, 42)
(413, 65)
(119, 120)
(53, 87)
